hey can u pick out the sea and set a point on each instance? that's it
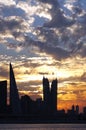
(42, 126)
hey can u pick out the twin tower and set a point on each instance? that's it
(50, 95)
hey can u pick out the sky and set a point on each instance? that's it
(45, 38)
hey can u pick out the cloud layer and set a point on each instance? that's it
(21, 29)
(44, 38)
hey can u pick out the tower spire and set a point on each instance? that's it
(14, 96)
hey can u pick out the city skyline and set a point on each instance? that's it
(45, 39)
(26, 110)
(13, 80)
(25, 105)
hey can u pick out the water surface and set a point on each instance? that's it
(42, 126)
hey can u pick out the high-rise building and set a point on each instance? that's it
(46, 90)
(46, 93)
(3, 96)
(50, 95)
(14, 96)
(54, 95)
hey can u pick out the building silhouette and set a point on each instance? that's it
(46, 90)
(26, 104)
(40, 110)
(3, 96)
(50, 95)
(54, 95)
(31, 107)
(77, 109)
(73, 111)
(14, 96)
(84, 110)
(46, 94)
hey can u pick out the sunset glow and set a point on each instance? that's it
(39, 41)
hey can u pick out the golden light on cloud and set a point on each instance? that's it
(32, 77)
(71, 78)
(68, 96)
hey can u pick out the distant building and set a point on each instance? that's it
(14, 96)
(71, 111)
(74, 110)
(3, 96)
(26, 105)
(84, 110)
(77, 109)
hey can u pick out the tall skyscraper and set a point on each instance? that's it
(54, 95)
(3, 96)
(50, 94)
(46, 93)
(14, 96)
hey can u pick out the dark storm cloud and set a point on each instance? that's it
(56, 52)
(52, 2)
(49, 35)
(73, 41)
(9, 24)
(58, 19)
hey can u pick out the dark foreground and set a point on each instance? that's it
(40, 120)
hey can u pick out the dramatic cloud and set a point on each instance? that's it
(59, 43)
(9, 24)
(58, 19)
(45, 37)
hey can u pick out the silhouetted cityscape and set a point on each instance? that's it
(44, 110)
